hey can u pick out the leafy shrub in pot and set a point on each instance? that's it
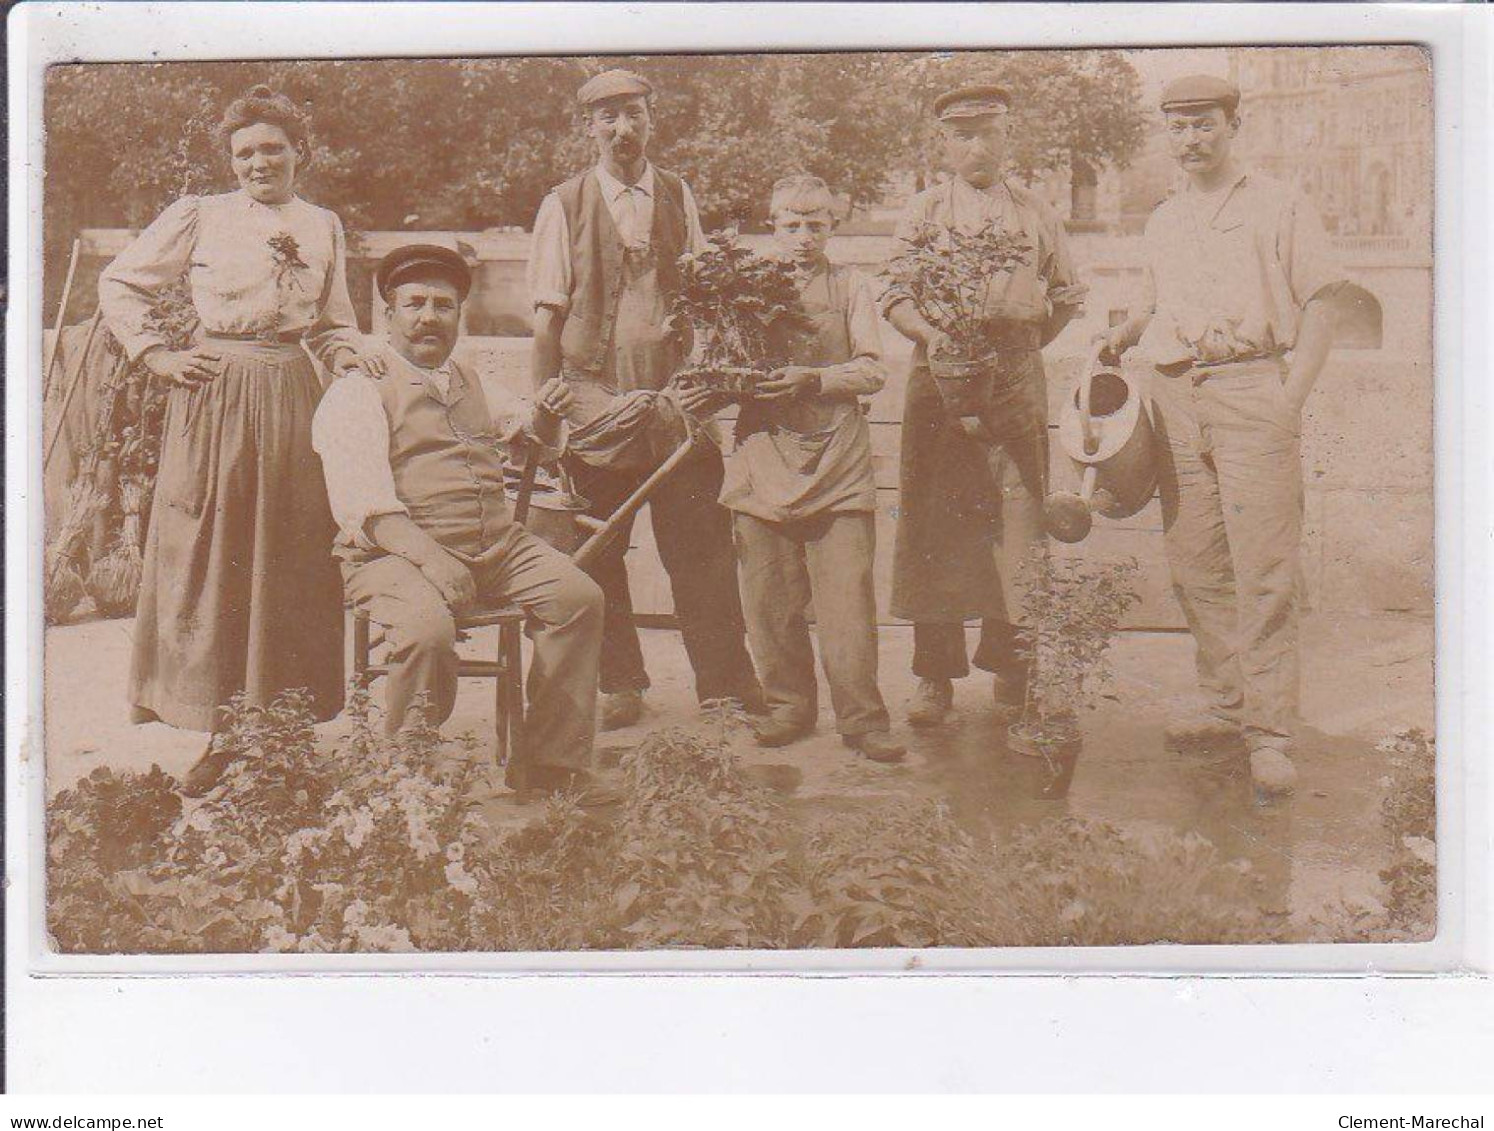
(1072, 610)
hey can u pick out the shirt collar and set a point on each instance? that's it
(442, 378)
(1223, 190)
(612, 188)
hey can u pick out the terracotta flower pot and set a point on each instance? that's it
(1055, 743)
(972, 387)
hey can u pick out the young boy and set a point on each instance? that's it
(803, 501)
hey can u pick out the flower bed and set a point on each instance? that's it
(373, 844)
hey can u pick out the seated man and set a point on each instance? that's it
(415, 477)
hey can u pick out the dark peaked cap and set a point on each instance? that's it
(612, 84)
(972, 101)
(415, 259)
(1201, 90)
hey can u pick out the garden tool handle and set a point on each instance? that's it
(1086, 386)
(526, 482)
(67, 290)
(594, 545)
(73, 383)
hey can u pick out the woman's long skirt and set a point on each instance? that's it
(240, 592)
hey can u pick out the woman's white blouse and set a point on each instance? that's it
(254, 269)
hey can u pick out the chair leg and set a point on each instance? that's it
(501, 719)
(513, 676)
(360, 649)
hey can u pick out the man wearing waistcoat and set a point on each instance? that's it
(414, 473)
(602, 272)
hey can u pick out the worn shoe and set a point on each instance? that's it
(1202, 731)
(876, 745)
(1271, 770)
(206, 772)
(621, 709)
(773, 732)
(932, 703)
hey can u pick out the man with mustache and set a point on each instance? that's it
(602, 272)
(971, 513)
(414, 474)
(1236, 323)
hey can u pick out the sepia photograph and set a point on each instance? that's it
(739, 502)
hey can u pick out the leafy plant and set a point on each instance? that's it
(739, 306)
(116, 475)
(377, 844)
(949, 274)
(1072, 609)
(1408, 910)
(1409, 813)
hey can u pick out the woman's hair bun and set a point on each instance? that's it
(261, 103)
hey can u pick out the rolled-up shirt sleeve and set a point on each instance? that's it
(350, 431)
(1304, 249)
(549, 270)
(865, 373)
(129, 286)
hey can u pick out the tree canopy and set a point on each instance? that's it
(472, 144)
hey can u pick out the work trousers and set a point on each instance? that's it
(1019, 475)
(564, 609)
(1231, 486)
(693, 533)
(827, 560)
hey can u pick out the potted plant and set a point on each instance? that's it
(948, 275)
(1072, 610)
(739, 306)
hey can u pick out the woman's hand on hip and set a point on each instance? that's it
(185, 369)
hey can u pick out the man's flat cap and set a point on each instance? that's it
(1201, 90)
(972, 102)
(422, 260)
(612, 84)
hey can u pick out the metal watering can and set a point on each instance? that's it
(1106, 433)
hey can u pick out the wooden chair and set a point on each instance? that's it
(506, 668)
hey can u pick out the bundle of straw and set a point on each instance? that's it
(63, 587)
(114, 580)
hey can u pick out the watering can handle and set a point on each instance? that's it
(1086, 385)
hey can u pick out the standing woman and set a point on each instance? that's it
(240, 592)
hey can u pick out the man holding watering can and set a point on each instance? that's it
(971, 495)
(1237, 322)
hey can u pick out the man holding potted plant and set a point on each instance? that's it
(802, 494)
(986, 271)
(602, 273)
(1237, 321)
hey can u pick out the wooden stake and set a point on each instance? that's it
(67, 290)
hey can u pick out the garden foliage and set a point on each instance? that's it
(1072, 611)
(739, 307)
(949, 274)
(379, 844)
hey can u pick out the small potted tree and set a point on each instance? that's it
(1072, 611)
(739, 307)
(948, 275)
